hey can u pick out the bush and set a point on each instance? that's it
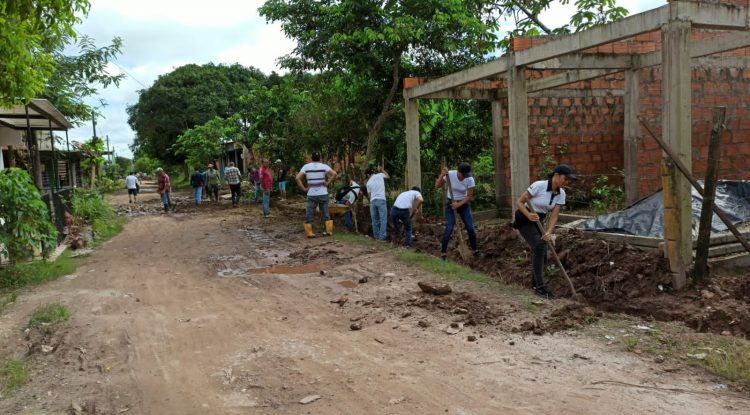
(89, 206)
(49, 315)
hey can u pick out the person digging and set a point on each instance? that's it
(318, 176)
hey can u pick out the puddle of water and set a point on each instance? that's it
(347, 283)
(289, 269)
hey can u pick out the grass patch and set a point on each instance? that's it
(49, 315)
(448, 269)
(357, 239)
(15, 373)
(725, 356)
(105, 229)
(7, 299)
(38, 272)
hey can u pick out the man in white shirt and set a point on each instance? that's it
(318, 176)
(132, 184)
(462, 186)
(349, 198)
(378, 208)
(406, 204)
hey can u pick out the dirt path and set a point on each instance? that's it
(179, 315)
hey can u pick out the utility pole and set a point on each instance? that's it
(93, 122)
(109, 155)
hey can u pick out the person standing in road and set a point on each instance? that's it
(318, 176)
(253, 179)
(283, 170)
(213, 181)
(462, 186)
(266, 184)
(404, 208)
(132, 184)
(233, 177)
(196, 180)
(378, 207)
(164, 189)
(542, 198)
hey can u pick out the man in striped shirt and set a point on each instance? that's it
(318, 176)
(234, 178)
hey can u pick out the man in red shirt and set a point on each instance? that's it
(165, 189)
(266, 184)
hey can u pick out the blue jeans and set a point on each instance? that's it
(348, 219)
(538, 246)
(198, 195)
(266, 202)
(312, 203)
(258, 192)
(379, 218)
(165, 199)
(450, 221)
(398, 216)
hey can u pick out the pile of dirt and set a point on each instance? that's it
(465, 307)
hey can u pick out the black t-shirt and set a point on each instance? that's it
(282, 173)
(196, 180)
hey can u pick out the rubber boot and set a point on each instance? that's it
(166, 208)
(329, 228)
(308, 230)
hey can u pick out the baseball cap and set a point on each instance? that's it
(465, 169)
(278, 161)
(566, 171)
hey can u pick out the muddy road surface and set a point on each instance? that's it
(220, 311)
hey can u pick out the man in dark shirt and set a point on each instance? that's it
(197, 181)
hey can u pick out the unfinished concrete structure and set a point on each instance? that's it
(680, 34)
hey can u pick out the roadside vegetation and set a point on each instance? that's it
(49, 316)
(13, 373)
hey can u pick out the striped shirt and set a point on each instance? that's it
(315, 173)
(233, 175)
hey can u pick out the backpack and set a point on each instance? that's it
(341, 193)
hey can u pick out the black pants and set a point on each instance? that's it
(235, 189)
(531, 234)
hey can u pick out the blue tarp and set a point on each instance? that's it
(646, 217)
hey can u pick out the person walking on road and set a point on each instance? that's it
(283, 170)
(196, 180)
(266, 184)
(378, 207)
(462, 185)
(164, 189)
(542, 198)
(213, 181)
(404, 208)
(318, 176)
(233, 177)
(132, 184)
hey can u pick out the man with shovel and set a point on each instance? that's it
(542, 198)
(404, 207)
(460, 191)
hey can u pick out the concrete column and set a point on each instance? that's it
(676, 131)
(413, 166)
(518, 115)
(631, 134)
(502, 204)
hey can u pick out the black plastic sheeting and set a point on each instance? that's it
(646, 217)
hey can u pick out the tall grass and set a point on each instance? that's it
(15, 372)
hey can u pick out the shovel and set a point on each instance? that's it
(463, 251)
(551, 247)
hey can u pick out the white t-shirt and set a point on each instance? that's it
(131, 181)
(315, 174)
(542, 198)
(460, 187)
(351, 196)
(376, 186)
(406, 199)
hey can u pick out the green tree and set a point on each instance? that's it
(30, 33)
(205, 142)
(25, 222)
(189, 96)
(145, 164)
(376, 41)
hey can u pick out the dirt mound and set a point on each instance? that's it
(466, 307)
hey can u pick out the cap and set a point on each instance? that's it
(158, 169)
(210, 166)
(278, 161)
(465, 169)
(566, 171)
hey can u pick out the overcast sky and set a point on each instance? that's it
(161, 35)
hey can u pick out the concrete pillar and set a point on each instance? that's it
(502, 204)
(413, 166)
(631, 134)
(676, 132)
(518, 115)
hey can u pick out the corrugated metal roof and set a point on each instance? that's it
(42, 114)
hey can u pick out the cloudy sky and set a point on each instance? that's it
(161, 35)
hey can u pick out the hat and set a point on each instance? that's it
(566, 171)
(465, 169)
(278, 161)
(158, 169)
(210, 166)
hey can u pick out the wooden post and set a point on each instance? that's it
(518, 114)
(631, 133)
(671, 224)
(700, 271)
(501, 192)
(676, 130)
(414, 169)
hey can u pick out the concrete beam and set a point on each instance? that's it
(518, 115)
(501, 192)
(631, 133)
(585, 61)
(566, 78)
(711, 16)
(475, 73)
(698, 49)
(413, 162)
(621, 29)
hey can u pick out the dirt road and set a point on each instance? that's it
(223, 312)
